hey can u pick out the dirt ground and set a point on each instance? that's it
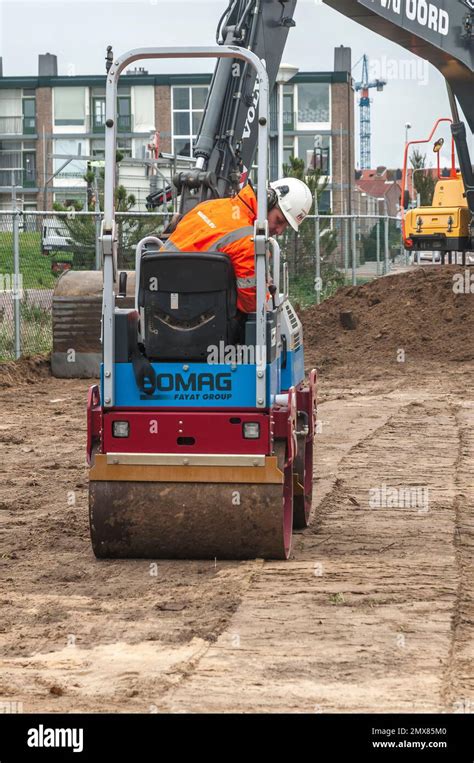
(374, 610)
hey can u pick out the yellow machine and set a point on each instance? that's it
(445, 225)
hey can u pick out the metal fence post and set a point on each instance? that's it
(98, 252)
(16, 291)
(378, 246)
(346, 248)
(354, 251)
(387, 246)
(317, 241)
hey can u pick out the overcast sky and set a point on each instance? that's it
(78, 33)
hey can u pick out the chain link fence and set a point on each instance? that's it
(37, 247)
(330, 251)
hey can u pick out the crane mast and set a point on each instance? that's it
(365, 116)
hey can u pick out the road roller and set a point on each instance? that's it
(200, 433)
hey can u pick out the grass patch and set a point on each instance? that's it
(337, 598)
(34, 266)
(302, 290)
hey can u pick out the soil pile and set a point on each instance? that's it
(423, 312)
(24, 371)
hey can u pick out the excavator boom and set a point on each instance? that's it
(440, 31)
(227, 140)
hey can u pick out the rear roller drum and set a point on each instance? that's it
(189, 520)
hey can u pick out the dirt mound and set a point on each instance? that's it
(420, 312)
(24, 371)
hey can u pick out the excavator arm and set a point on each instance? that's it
(227, 138)
(441, 32)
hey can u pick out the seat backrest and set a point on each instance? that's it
(187, 301)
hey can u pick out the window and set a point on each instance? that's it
(124, 113)
(10, 163)
(288, 107)
(98, 149)
(124, 145)
(11, 122)
(188, 108)
(288, 149)
(29, 115)
(98, 114)
(18, 163)
(315, 151)
(313, 102)
(29, 169)
(325, 203)
(76, 168)
(69, 105)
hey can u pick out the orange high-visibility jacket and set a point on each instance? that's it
(223, 225)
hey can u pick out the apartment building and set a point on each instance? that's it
(51, 126)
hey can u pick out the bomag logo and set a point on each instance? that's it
(193, 386)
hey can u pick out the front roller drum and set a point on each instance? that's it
(191, 520)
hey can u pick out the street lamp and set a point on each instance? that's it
(407, 128)
(285, 73)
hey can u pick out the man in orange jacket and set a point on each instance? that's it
(227, 225)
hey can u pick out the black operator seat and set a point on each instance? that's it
(188, 301)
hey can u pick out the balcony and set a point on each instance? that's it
(124, 123)
(295, 121)
(17, 125)
(93, 124)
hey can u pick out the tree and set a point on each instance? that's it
(369, 242)
(423, 179)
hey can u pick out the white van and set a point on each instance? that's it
(55, 237)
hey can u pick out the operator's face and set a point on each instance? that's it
(277, 222)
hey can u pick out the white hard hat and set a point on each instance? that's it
(294, 199)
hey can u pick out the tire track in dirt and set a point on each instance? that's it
(360, 618)
(458, 689)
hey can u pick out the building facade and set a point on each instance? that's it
(52, 126)
(378, 192)
(318, 128)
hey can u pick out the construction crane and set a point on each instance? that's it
(363, 88)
